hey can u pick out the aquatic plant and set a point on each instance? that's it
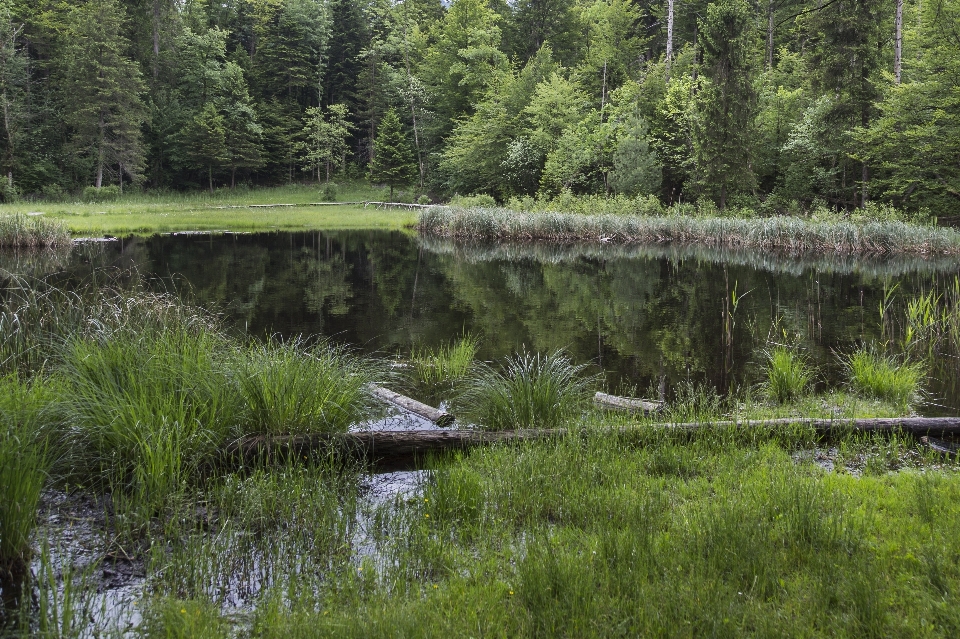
(22, 231)
(527, 391)
(788, 374)
(447, 363)
(784, 233)
(884, 376)
(24, 463)
(292, 387)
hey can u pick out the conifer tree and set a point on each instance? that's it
(325, 138)
(206, 140)
(393, 161)
(726, 103)
(103, 87)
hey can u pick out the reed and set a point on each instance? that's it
(446, 364)
(885, 377)
(527, 391)
(789, 234)
(22, 231)
(788, 375)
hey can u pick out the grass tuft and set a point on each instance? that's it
(788, 375)
(885, 377)
(446, 364)
(21, 231)
(528, 391)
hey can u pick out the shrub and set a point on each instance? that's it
(528, 391)
(884, 377)
(788, 375)
(329, 192)
(480, 201)
(103, 194)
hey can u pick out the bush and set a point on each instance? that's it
(478, 201)
(528, 391)
(788, 375)
(103, 194)
(884, 377)
(329, 192)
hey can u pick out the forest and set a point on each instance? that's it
(778, 106)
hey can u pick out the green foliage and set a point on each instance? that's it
(788, 375)
(172, 618)
(527, 391)
(446, 364)
(885, 377)
(325, 138)
(636, 166)
(103, 194)
(21, 231)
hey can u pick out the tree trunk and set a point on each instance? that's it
(156, 38)
(770, 34)
(669, 36)
(898, 44)
(120, 171)
(233, 177)
(210, 176)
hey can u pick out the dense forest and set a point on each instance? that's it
(776, 105)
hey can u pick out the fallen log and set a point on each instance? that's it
(912, 425)
(630, 404)
(438, 417)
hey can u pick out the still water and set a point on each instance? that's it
(648, 319)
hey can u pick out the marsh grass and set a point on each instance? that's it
(445, 364)
(293, 388)
(526, 391)
(25, 458)
(782, 233)
(886, 377)
(21, 231)
(788, 375)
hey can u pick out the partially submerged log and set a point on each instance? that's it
(912, 425)
(438, 417)
(948, 449)
(630, 404)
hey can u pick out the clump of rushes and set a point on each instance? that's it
(145, 409)
(20, 231)
(884, 377)
(24, 462)
(289, 387)
(446, 364)
(528, 391)
(788, 375)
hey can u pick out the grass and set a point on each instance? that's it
(885, 377)
(783, 233)
(21, 231)
(199, 211)
(445, 364)
(527, 391)
(788, 375)
(24, 463)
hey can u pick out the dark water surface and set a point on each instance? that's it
(649, 319)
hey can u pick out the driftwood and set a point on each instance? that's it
(391, 447)
(630, 404)
(949, 449)
(438, 417)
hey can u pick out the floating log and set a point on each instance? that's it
(912, 425)
(438, 417)
(630, 404)
(949, 449)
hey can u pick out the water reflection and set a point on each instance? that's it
(647, 317)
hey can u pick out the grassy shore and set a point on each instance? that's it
(226, 210)
(791, 235)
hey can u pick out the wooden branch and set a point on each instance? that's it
(438, 417)
(612, 402)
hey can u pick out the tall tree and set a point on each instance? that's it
(103, 87)
(14, 79)
(325, 138)
(393, 163)
(726, 103)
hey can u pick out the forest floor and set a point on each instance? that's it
(224, 210)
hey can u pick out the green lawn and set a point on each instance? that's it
(145, 214)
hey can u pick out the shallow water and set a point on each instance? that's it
(649, 319)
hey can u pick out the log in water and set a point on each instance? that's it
(438, 417)
(630, 404)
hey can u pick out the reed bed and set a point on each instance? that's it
(788, 234)
(22, 231)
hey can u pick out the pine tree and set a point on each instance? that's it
(102, 85)
(393, 161)
(206, 140)
(243, 131)
(726, 103)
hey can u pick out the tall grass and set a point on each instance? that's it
(788, 375)
(32, 232)
(445, 364)
(784, 233)
(527, 391)
(290, 387)
(885, 377)
(24, 462)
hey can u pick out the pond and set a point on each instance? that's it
(650, 320)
